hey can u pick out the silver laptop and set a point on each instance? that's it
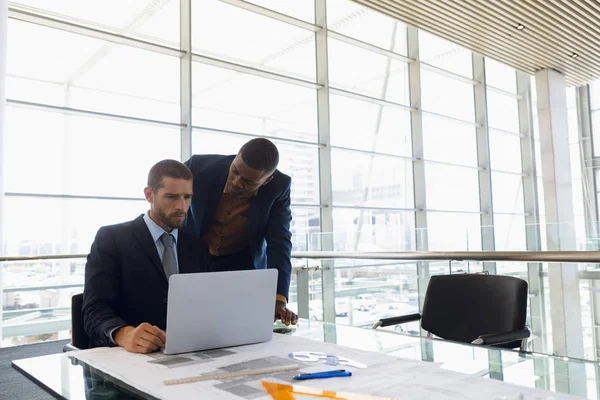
(220, 309)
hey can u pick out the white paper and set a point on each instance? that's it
(384, 375)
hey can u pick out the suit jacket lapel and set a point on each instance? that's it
(184, 257)
(143, 236)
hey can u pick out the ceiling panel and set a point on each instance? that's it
(529, 35)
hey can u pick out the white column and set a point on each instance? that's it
(3, 45)
(565, 303)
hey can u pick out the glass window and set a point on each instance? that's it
(361, 71)
(233, 101)
(87, 73)
(351, 19)
(301, 9)
(451, 188)
(299, 162)
(306, 222)
(507, 192)
(446, 96)
(595, 94)
(500, 76)
(453, 231)
(596, 131)
(373, 230)
(509, 232)
(370, 181)
(370, 127)
(571, 97)
(228, 32)
(503, 112)
(446, 55)
(80, 155)
(62, 225)
(142, 18)
(449, 141)
(501, 145)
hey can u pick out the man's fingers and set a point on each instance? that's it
(162, 335)
(141, 349)
(155, 331)
(147, 343)
(155, 340)
(278, 314)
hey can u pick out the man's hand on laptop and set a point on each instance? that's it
(144, 338)
(284, 314)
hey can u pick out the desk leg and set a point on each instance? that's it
(542, 372)
(427, 350)
(570, 377)
(302, 293)
(495, 364)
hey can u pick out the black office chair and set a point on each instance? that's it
(473, 308)
(79, 339)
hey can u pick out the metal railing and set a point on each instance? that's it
(37, 326)
(523, 256)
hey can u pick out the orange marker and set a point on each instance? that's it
(279, 391)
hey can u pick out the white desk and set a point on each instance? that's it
(59, 376)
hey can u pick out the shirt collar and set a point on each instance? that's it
(244, 197)
(155, 230)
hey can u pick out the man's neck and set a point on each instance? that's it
(158, 222)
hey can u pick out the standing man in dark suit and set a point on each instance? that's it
(127, 270)
(241, 210)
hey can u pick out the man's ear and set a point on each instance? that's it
(268, 180)
(149, 193)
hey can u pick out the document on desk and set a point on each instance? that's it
(384, 375)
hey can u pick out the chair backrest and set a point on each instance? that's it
(79, 338)
(462, 307)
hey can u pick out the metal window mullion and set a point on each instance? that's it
(88, 113)
(246, 69)
(532, 227)
(368, 99)
(325, 193)
(255, 134)
(185, 78)
(3, 51)
(277, 16)
(586, 146)
(483, 161)
(96, 33)
(418, 167)
(369, 47)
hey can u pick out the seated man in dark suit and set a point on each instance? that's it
(127, 270)
(241, 210)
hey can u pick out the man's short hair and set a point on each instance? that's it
(169, 168)
(260, 154)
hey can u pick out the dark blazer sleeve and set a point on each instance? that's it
(279, 240)
(101, 290)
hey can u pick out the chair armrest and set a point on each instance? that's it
(503, 337)
(69, 347)
(397, 320)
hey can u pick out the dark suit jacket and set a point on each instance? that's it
(268, 222)
(125, 283)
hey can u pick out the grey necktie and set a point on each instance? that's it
(168, 258)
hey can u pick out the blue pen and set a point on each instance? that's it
(322, 375)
